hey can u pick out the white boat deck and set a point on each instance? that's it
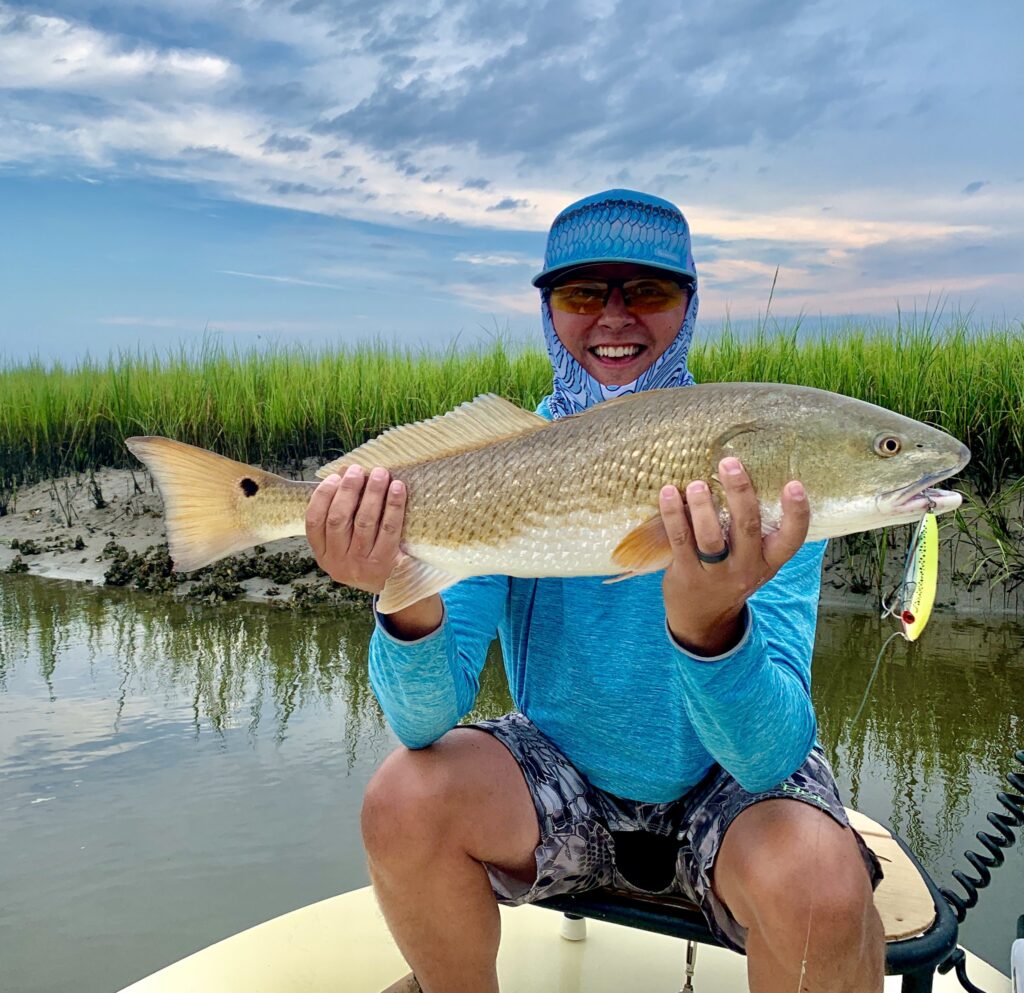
(341, 945)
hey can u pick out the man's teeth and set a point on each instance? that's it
(616, 351)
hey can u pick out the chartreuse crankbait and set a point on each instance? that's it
(912, 601)
(915, 596)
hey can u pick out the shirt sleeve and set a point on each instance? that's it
(426, 686)
(751, 707)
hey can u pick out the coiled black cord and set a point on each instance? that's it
(994, 844)
(958, 960)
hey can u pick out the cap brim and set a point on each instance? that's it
(548, 276)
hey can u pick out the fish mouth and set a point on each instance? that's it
(921, 497)
(927, 500)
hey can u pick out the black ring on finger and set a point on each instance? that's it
(712, 557)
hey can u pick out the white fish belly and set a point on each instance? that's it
(581, 545)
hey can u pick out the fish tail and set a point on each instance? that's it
(214, 506)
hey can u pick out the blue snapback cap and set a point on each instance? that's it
(618, 226)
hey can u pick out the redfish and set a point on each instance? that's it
(495, 489)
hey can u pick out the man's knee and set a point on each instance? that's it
(406, 804)
(795, 864)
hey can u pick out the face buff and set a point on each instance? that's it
(575, 389)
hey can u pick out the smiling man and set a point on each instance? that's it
(664, 739)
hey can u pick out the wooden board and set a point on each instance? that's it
(902, 898)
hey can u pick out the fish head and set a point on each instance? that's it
(869, 467)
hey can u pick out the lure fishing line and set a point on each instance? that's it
(810, 915)
(874, 672)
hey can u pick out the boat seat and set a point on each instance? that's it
(920, 927)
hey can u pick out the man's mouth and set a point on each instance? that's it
(616, 354)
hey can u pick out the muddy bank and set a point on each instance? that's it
(108, 528)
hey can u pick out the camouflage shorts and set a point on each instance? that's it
(590, 838)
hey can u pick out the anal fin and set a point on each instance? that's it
(645, 549)
(411, 580)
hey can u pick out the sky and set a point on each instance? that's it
(315, 172)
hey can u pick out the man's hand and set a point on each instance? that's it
(354, 526)
(704, 601)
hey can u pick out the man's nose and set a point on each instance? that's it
(614, 314)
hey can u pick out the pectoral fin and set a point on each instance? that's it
(645, 549)
(412, 580)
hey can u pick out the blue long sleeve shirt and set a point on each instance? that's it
(596, 669)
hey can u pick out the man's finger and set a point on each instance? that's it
(673, 516)
(316, 513)
(338, 531)
(707, 529)
(780, 547)
(367, 516)
(389, 534)
(744, 511)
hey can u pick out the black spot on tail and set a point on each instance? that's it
(249, 487)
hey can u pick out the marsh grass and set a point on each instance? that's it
(993, 526)
(273, 408)
(277, 407)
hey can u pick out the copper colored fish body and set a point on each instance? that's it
(493, 488)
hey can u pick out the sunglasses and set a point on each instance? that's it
(640, 296)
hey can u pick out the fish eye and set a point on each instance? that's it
(888, 445)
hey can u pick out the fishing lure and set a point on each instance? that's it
(911, 602)
(914, 598)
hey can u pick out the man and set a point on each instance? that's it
(665, 733)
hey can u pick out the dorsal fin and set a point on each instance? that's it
(471, 425)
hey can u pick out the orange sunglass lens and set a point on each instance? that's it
(641, 296)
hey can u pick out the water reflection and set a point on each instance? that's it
(133, 693)
(230, 661)
(940, 712)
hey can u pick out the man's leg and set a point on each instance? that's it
(785, 870)
(430, 817)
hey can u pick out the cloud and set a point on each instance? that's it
(509, 203)
(272, 326)
(496, 301)
(873, 278)
(41, 52)
(496, 259)
(134, 321)
(971, 188)
(286, 143)
(266, 326)
(565, 81)
(279, 279)
(209, 152)
(832, 231)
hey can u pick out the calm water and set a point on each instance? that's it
(170, 774)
